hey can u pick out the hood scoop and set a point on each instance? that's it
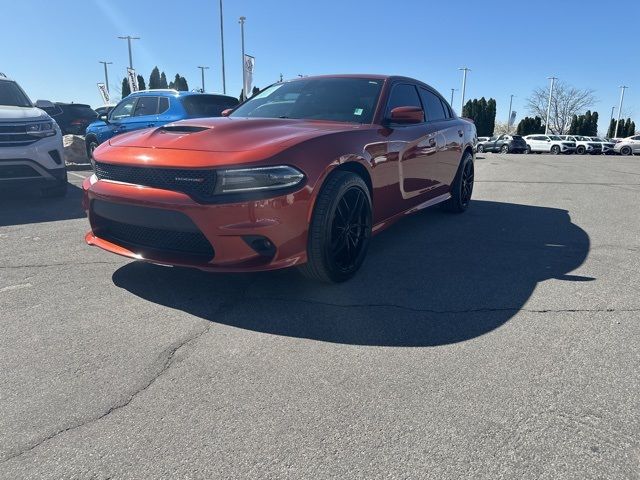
(181, 129)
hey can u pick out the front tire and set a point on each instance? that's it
(504, 149)
(581, 150)
(480, 149)
(462, 187)
(340, 229)
(527, 150)
(91, 143)
(555, 150)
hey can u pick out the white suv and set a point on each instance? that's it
(583, 144)
(548, 143)
(31, 152)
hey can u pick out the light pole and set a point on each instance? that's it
(622, 89)
(509, 117)
(202, 69)
(128, 38)
(464, 85)
(224, 80)
(244, 80)
(106, 74)
(280, 78)
(546, 125)
(453, 90)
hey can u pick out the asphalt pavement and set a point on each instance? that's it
(500, 343)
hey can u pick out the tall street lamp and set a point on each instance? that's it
(453, 90)
(106, 74)
(546, 125)
(202, 69)
(128, 38)
(464, 85)
(224, 80)
(622, 89)
(244, 81)
(509, 117)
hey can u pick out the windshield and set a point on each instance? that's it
(11, 95)
(554, 137)
(334, 99)
(597, 139)
(207, 105)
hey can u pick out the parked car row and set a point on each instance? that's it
(557, 144)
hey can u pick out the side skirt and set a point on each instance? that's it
(379, 227)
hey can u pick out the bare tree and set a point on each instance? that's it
(566, 102)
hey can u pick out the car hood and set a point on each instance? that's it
(21, 114)
(226, 134)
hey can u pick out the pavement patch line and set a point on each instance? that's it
(10, 288)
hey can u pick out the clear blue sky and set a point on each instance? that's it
(52, 47)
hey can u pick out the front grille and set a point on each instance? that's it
(15, 136)
(199, 184)
(150, 241)
(17, 171)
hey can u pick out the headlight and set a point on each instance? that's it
(239, 180)
(43, 129)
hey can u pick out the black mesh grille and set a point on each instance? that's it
(17, 171)
(199, 184)
(146, 240)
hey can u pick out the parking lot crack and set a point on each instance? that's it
(167, 360)
(445, 311)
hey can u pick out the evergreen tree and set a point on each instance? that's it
(483, 114)
(593, 130)
(141, 84)
(254, 91)
(627, 128)
(573, 128)
(612, 128)
(154, 78)
(163, 81)
(126, 90)
(530, 126)
(491, 115)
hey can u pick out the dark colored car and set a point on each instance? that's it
(152, 108)
(72, 118)
(503, 144)
(302, 174)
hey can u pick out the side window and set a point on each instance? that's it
(146, 106)
(124, 109)
(163, 105)
(433, 106)
(403, 95)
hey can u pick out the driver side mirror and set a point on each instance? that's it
(104, 117)
(226, 112)
(44, 104)
(406, 115)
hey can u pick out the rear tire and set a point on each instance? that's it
(504, 149)
(480, 149)
(527, 150)
(626, 151)
(340, 229)
(462, 187)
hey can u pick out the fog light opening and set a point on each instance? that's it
(261, 245)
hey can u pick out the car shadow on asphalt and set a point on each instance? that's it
(19, 207)
(432, 279)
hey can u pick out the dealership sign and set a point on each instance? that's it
(104, 93)
(249, 63)
(133, 80)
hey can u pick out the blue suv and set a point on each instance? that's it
(152, 108)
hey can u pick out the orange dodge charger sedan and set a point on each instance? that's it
(301, 174)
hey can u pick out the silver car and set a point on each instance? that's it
(628, 146)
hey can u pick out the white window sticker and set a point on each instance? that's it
(358, 111)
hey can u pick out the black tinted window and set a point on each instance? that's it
(207, 105)
(164, 105)
(11, 95)
(80, 111)
(146, 106)
(433, 106)
(403, 95)
(333, 99)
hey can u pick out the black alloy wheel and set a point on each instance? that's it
(462, 187)
(340, 229)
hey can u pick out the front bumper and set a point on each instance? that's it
(143, 222)
(38, 164)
